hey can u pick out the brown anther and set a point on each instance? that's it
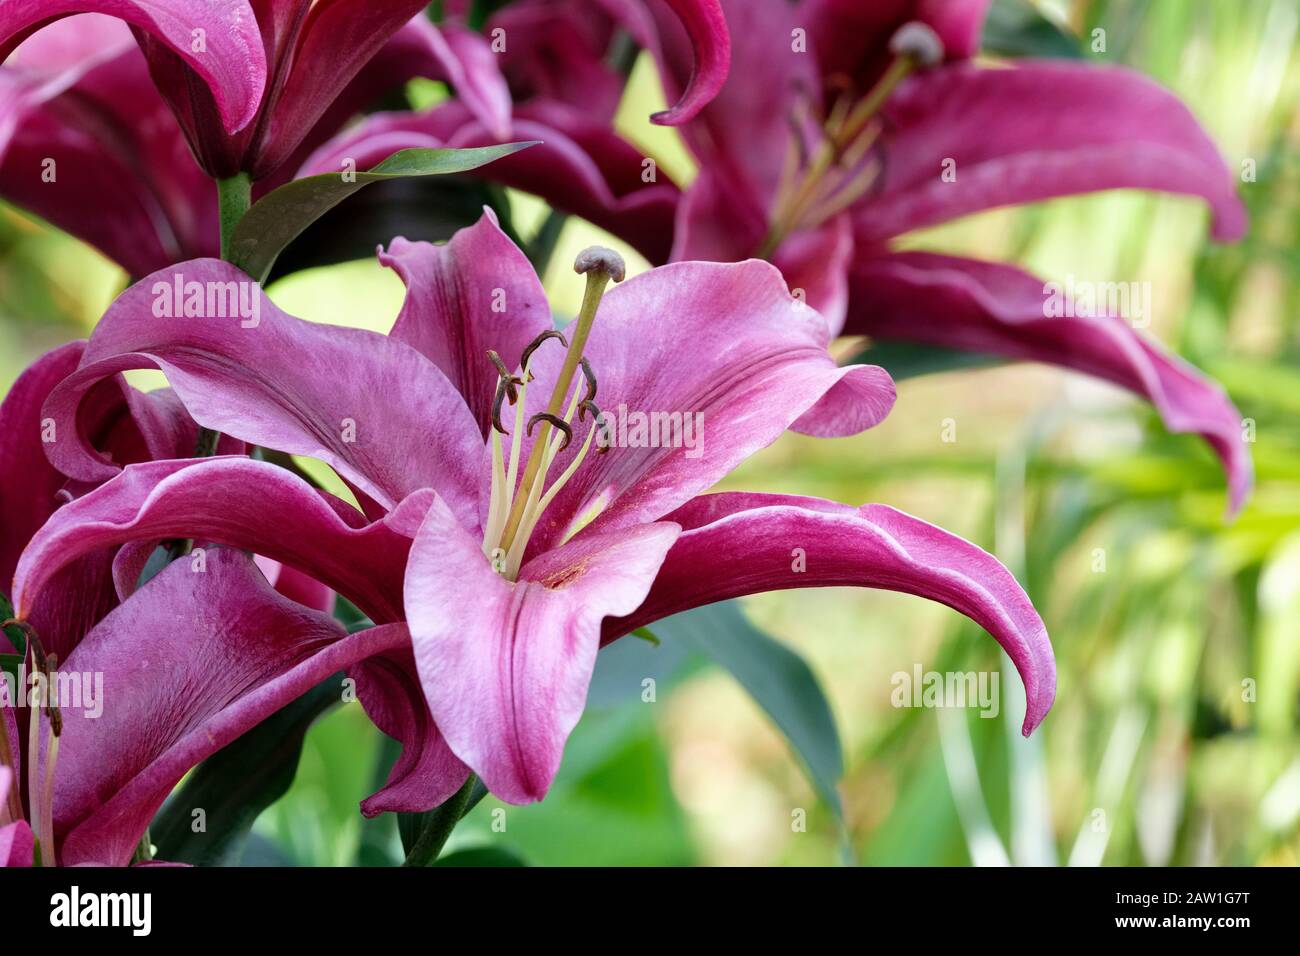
(505, 377)
(557, 423)
(536, 343)
(45, 664)
(590, 376)
(497, 401)
(587, 405)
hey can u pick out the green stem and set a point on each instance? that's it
(439, 825)
(234, 195)
(542, 248)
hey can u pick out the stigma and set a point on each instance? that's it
(518, 500)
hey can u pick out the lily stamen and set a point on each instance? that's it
(515, 508)
(557, 422)
(850, 133)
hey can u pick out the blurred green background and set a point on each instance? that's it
(1174, 736)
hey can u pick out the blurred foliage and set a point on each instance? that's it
(1174, 736)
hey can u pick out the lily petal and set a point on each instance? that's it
(177, 697)
(336, 42)
(873, 546)
(1034, 131)
(232, 63)
(427, 773)
(16, 841)
(726, 345)
(998, 309)
(262, 508)
(505, 666)
(115, 146)
(277, 381)
(698, 77)
(474, 293)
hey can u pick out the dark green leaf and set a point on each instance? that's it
(481, 856)
(778, 679)
(280, 216)
(234, 785)
(429, 208)
(910, 359)
(15, 635)
(1017, 28)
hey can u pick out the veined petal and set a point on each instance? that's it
(336, 41)
(723, 347)
(744, 135)
(115, 146)
(474, 293)
(427, 773)
(873, 546)
(238, 502)
(268, 378)
(172, 697)
(998, 309)
(505, 666)
(16, 842)
(231, 61)
(695, 78)
(1034, 131)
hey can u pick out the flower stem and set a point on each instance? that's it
(439, 825)
(234, 195)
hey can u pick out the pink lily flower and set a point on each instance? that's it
(99, 770)
(871, 123)
(509, 526)
(84, 791)
(83, 95)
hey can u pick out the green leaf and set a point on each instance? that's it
(15, 635)
(1017, 28)
(234, 785)
(280, 216)
(910, 359)
(482, 856)
(778, 679)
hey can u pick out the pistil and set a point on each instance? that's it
(514, 509)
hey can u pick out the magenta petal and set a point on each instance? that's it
(997, 309)
(173, 697)
(873, 546)
(274, 380)
(29, 495)
(744, 135)
(474, 293)
(155, 205)
(723, 343)
(232, 63)
(234, 501)
(16, 842)
(1035, 131)
(710, 42)
(337, 40)
(427, 773)
(505, 666)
